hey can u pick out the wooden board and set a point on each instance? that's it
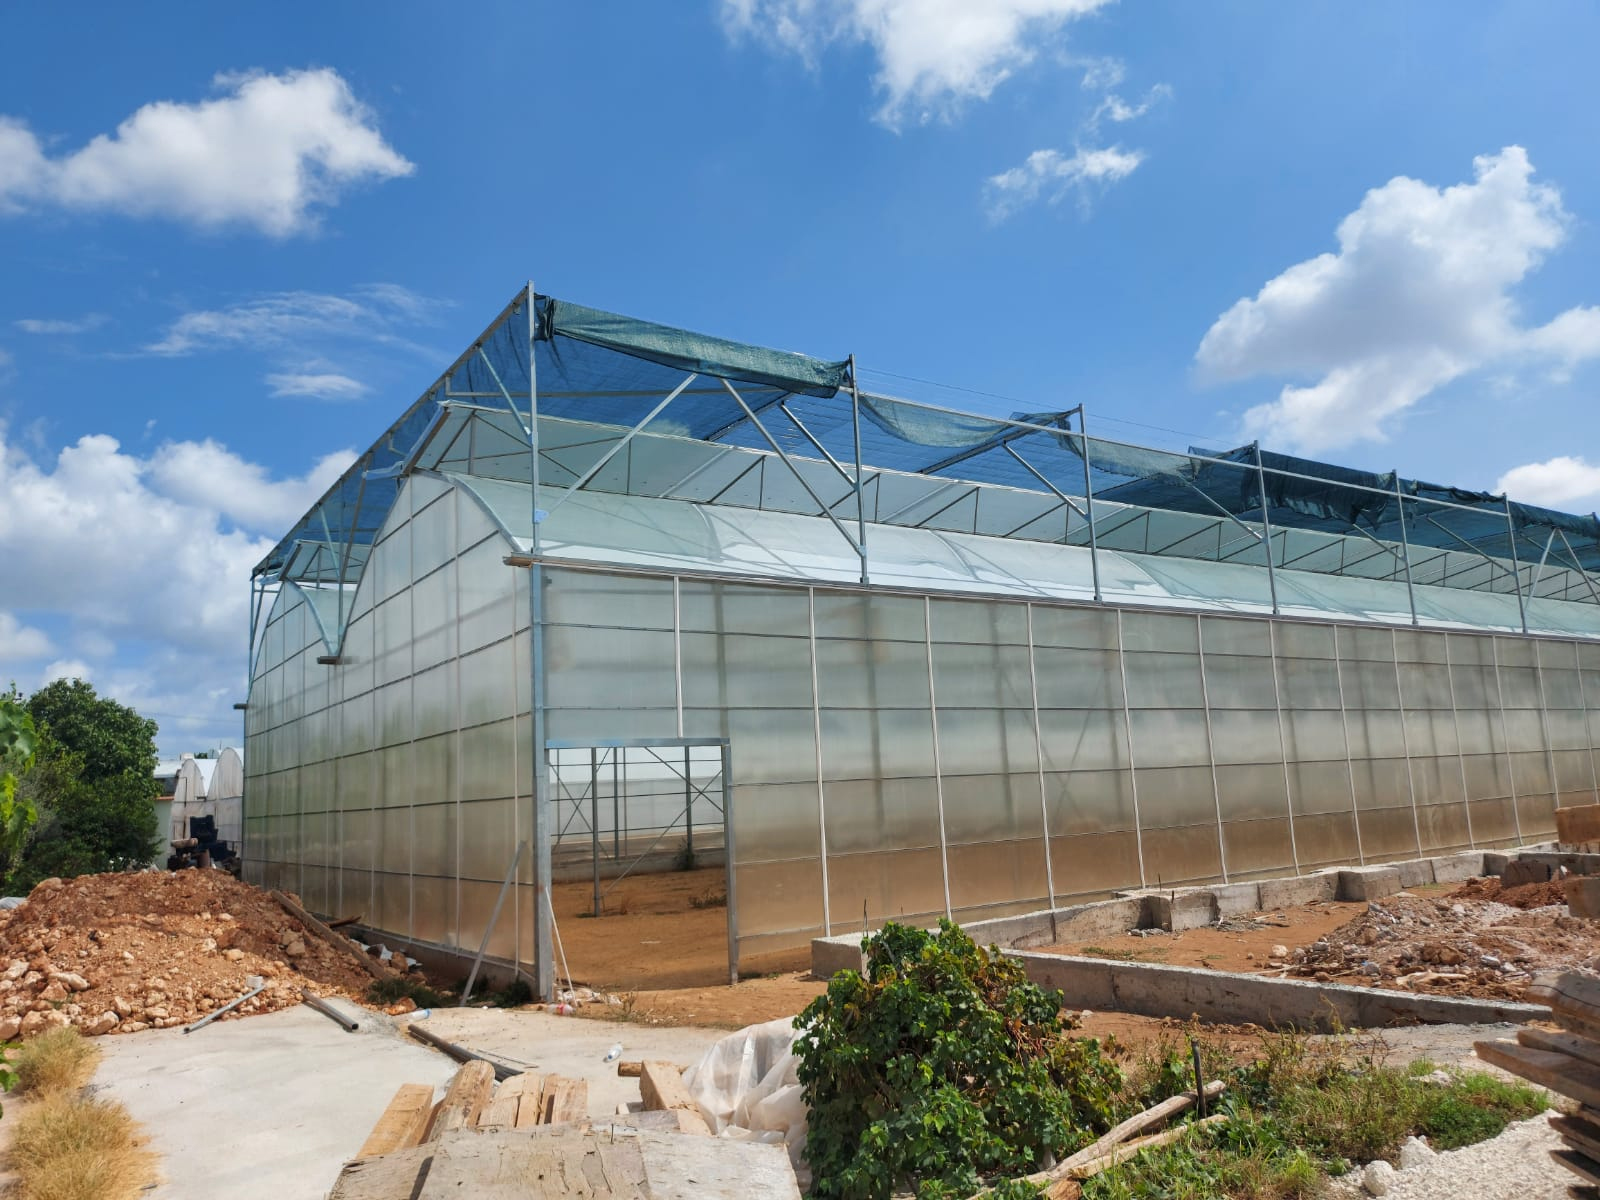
(467, 1097)
(510, 1099)
(337, 941)
(403, 1124)
(560, 1164)
(1579, 1135)
(1574, 998)
(509, 1167)
(1581, 1048)
(661, 1087)
(564, 1101)
(1557, 1072)
(1584, 1168)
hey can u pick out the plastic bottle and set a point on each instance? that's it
(614, 1053)
(560, 1010)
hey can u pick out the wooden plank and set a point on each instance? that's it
(1561, 1043)
(1569, 992)
(680, 1168)
(403, 1123)
(468, 1095)
(387, 1177)
(1555, 1071)
(629, 1068)
(1584, 1168)
(512, 1167)
(566, 1100)
(1579, 1135)
(661, 1086)
(343, 944)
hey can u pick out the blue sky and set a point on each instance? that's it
(235, 249)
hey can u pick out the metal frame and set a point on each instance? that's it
(729, 850)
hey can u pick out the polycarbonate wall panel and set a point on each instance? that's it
(894, 754)
(396, 774)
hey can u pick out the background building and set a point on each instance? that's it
(958, 664)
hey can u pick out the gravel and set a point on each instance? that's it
(1514, 1166)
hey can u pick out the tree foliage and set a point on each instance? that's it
(939, 1068)
(19, 743)
(91, 784)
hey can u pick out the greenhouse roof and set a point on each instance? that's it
(740, 425)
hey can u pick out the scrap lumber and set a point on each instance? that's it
(342, 944)
(563, 1101)
(629, 1068)
(511, 1098)
(1566, 1062)
(560, 1162)
(661, 1088)
(403, 1123)
(465, 1099)
(1112, 1147)
(1127, 1150)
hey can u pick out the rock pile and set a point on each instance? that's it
(121, 953)
(1453, 945)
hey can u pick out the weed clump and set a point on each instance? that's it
(65, 1145)
(58, 1060)
(384, 992)
(941, 1067)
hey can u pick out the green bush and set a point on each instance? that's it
(940, 1068)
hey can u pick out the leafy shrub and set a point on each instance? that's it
(941, 1067)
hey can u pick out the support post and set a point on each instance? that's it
(729, 871)
(1088, 505)
(594, 821)
(543, 945)
(1266, 527)
(1405, 556)
(688, 810)
(861, 504)
(1516, 565)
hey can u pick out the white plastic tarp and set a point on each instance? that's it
(748, 1088)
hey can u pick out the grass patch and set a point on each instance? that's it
(58, 1060)
(64, 1145)
(389, 991)
(68, 1147)
(1300, 1111)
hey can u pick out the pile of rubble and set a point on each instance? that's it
(1453, 945)
(121, 953)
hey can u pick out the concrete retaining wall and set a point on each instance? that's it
(1176, 909)
(1154, 990)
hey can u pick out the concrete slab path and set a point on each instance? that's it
(264, 1108)
(271, 1107)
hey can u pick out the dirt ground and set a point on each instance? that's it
(660, 931)
(1473, 939)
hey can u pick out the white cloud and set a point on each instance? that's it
(266, 152)
(210, 477)
(1052, 175)
(19, 641)
(66, 668)
(49, 327)
(1420, 292)
(1114, 108)
(933, 55)
(1555, 483)
(282, 320)
(95, 537)
(317, 386)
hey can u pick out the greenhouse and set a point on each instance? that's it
(616, 594)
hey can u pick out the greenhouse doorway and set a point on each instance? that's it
(625, 808)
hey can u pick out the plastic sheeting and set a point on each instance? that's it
(748, 1088)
